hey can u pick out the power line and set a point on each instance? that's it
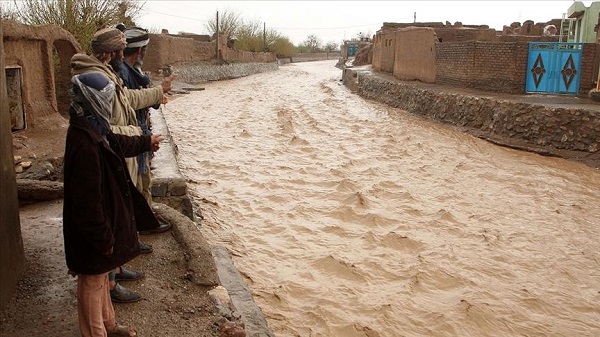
(342, 27)
(345, 27)
(173, 15)
(282, 28)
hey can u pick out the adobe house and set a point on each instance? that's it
(36, 64)
(30, 89)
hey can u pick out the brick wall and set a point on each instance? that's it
(589, 67)
(499, 66)
(492, 66)
(465, 34)
(454, 63)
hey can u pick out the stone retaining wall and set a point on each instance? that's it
(563, 128)
(198, 73)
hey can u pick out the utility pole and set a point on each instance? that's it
(415, 18)
(217, 40)
(264, 36)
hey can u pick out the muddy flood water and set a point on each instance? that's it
(350, 218)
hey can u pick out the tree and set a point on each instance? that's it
(251, 35)
(282, 47)
(229, 23)
(82, 18)
(312, 43)
(331, 46)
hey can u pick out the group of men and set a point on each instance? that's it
(107, 177)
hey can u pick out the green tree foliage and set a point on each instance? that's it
(282, 47)
(249, 36)
(82, 18)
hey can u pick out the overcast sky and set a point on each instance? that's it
(339, 20)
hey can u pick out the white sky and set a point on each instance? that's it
(338, 20)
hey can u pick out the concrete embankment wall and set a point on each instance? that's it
(309, 57)
(198, 73)
(565, 128)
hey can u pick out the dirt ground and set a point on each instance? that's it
(45, 303)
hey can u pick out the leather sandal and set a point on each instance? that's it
(122, 330)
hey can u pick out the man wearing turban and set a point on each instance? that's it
(107, 47)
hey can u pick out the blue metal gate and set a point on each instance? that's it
(554, 67)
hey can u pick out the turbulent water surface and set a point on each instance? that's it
(351, 218)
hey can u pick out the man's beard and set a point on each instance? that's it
(116, 63)
(139, 61)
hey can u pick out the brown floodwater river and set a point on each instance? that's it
(350, 218)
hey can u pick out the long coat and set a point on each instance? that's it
(101, 205)
(123, 119)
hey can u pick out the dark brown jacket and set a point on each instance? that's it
(101, 205)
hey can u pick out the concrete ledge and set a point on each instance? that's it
(241, 296)
(201, 264)
(168, 184)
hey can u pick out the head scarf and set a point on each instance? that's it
(136, 37)
(108, 40)
(92, 97)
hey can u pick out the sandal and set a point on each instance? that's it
(122, 330)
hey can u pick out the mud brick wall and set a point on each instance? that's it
(33, 49)
(452, 34)
(166, 50)
(454, 63)
(590, 60)
(12, 259)
(384, 51)
(415, 54)
(492, 66)
(499, 66)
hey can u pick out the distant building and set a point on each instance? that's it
(581, 23)
(351, 47)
